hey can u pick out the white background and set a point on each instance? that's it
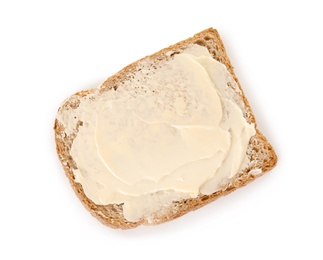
(51, 49)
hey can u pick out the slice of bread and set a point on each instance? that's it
(260, 153)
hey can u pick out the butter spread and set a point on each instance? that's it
(167, 134)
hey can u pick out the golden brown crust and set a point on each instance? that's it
(260, 152)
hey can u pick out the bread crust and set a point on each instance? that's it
(260, 152)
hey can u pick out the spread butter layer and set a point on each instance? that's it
(170, 133)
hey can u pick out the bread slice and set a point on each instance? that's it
(259, 152)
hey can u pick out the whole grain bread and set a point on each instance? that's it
(260, 152)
